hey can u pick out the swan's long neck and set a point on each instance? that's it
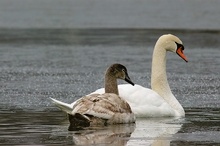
(111, 85)
(159, 81)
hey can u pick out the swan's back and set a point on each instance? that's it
(144, 102)
(108, 107)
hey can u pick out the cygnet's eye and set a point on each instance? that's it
(123, 70)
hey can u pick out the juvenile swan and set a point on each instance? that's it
(158, 101)
(101, 109)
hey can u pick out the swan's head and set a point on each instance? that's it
(120, 72)
(174, 44)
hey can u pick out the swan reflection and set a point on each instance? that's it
(154, 132)
(117, 135)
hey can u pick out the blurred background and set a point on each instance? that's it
(170, 14)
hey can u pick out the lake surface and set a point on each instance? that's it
(61, 50)
(68, 63)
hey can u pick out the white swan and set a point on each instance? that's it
(158, 101)
(101, 109)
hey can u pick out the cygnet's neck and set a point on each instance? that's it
(111, 85)
(159, 81)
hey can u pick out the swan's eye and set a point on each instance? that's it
(179, 46)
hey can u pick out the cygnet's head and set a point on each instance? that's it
(119, 71)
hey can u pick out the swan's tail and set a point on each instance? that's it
(78, 122)
(63, 106)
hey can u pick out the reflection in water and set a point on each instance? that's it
(51, 127)
(117, 135)
(155, 132)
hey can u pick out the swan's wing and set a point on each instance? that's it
(100, 105)
(66, 107)
(63, 106)
(144, 102)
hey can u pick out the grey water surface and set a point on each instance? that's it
(68, 63)
(61, 49)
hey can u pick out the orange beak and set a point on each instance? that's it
(179, 51)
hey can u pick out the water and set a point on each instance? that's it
(43, 56)
(41, 63)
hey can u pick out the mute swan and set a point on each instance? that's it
(158, 101)
(101, 109)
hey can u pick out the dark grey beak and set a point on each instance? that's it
(127, 79)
